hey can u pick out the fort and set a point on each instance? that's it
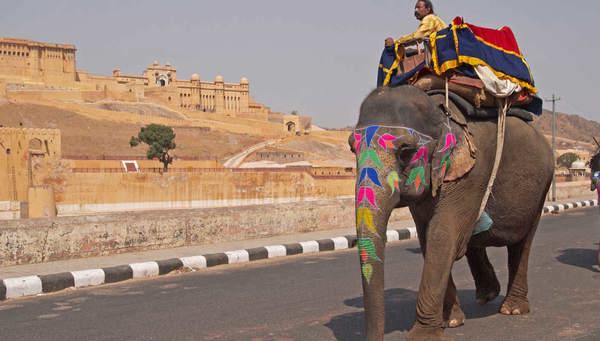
(27, 65)
(40, 180)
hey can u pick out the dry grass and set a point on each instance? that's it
(86, 136)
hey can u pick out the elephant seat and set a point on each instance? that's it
(470, 110)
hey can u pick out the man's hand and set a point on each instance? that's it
(389, 41)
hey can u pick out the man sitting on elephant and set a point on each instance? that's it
(430, 23)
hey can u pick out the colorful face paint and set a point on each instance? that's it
(393, 181)
(357, 142)
(369, 155)
(386, 141)
(416, 177)
(371, 174)
(450, 142)
(368, 256)
(421, 154)
(368, 194)
(370, 171)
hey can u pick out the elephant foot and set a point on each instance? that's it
(487, 292)
(513, 306)
(422, 333)
(456, 317)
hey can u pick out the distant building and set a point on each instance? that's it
(31, 65)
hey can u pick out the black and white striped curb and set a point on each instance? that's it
(562, 207)
(36, 285)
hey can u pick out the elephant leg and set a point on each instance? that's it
(516, 302)
(453, 314)
(486, 282)
(439, 258)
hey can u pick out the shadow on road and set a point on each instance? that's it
(583, 258)
(400, 313)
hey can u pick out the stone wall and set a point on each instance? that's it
(575, 189)
(77, 193)
(49, 239)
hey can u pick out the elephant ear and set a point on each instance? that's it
(453, 157)
(352, 140)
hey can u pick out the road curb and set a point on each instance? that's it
(562, 207)
(36, 285)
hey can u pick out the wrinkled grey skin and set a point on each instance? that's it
(445, 221)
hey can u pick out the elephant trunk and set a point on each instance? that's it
(371, 225)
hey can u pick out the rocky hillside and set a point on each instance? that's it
(568, 126)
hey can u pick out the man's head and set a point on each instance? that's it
(423, 8)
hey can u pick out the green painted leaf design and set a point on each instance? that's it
(393, 180)
(367, 271)
(369, 154)
(445, 159)
(414, 173)
(368, 246)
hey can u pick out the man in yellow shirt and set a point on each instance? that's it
(430, 23)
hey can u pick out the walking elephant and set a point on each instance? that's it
(412, 151)
(595, 179)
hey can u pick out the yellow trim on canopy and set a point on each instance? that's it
(476, 61)
(450, 64)
(488, 43)
(394, 66)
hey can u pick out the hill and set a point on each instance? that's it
(84, 136)
(570, 127)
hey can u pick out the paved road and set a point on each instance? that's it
(319, 298)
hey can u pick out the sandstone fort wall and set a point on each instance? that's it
(85, 192)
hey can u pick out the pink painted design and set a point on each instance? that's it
(367, 193)
(386, 141)
(357, 141)
(421, 154)
(450, 142)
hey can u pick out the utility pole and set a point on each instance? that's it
(554, 99)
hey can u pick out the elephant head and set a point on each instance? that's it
(406, 145)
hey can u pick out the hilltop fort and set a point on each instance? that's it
(33, 69)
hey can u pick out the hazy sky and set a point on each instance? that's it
(317, 57)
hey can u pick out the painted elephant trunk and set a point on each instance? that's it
(375, 200)
(371, 234)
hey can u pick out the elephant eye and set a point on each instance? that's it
(405, 153)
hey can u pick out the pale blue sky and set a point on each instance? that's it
(317, 57)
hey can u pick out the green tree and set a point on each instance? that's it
(160, 139)
(294, 112)
(566, 159)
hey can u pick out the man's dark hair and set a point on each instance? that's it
(428, 5)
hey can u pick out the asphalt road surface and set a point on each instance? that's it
(319, 298)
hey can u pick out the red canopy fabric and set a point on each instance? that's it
(503, 37)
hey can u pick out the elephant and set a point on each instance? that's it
(413, 150)
(595, 179)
